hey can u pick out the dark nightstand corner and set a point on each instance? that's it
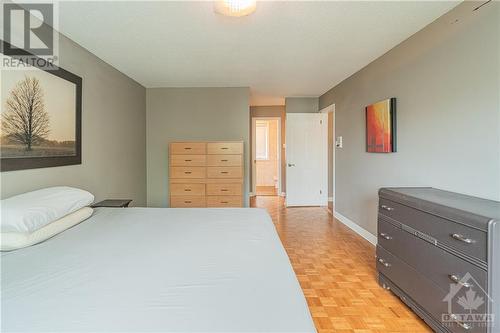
(113, 203)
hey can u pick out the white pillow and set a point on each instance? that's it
(16, 240)
(31, 211)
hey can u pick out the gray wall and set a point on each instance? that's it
(113, 135)
(301, 104)
(446, 81)
(176, 114)
(272, 111)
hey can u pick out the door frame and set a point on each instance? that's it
(323, 202)
(254, 160)
(331, 109)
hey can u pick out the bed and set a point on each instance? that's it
(156, 270)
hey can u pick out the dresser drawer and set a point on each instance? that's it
(422, 290)
(189, 148)
(224, 189)
(187, 201)
(187, 189)
(436, 264)
(224, 172)
(470, 241)
(224, 160)
(188, 160)
(187, 172)
(224, 201)
(224, 148)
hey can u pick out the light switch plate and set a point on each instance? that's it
(338, 142)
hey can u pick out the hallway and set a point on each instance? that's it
(336, 270)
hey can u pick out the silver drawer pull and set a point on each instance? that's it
(383, 262)
(387, 208)
(457, 280)
(465, 326)
(385, 236)
(462, 238)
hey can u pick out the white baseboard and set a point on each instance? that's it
(356, 228)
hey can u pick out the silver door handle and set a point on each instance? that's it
(457, 280)
(462, 238)
(385, 236)
(387, 208)
(291, 164)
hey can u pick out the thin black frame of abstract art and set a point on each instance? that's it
(22, 163)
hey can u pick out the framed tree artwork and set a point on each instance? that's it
(381, 126)
(40, 118)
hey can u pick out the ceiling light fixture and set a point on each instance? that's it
(235, 8)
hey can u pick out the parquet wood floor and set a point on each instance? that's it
(336, 270)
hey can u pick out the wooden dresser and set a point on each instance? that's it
(206, 174)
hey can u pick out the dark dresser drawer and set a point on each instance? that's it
(463, 238)
(421, 290)
(436, 264)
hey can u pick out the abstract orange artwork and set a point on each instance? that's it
(381, 126)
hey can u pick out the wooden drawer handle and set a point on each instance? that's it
(223, 189)
(187, 160)
(223, 160)
(224, 202)
(187, 172)
(187, 148)
(187, 201)
(224, 172)
(223, 148)
(187, 190)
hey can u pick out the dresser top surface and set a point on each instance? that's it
(435, 200)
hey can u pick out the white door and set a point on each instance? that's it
(307, 159)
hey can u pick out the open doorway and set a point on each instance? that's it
(266, 156)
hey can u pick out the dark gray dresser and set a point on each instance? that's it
(439, 252)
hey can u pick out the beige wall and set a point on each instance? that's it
(267, 170)
(272, 111)
(113, 135)
(446, 81)
(176, 114)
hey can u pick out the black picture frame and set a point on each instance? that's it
(23, 163)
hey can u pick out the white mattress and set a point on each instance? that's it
(156, 270)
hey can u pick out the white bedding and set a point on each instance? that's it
(156, 270)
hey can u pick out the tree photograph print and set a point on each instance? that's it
(37, 117)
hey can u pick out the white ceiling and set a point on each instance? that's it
(284, 49)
